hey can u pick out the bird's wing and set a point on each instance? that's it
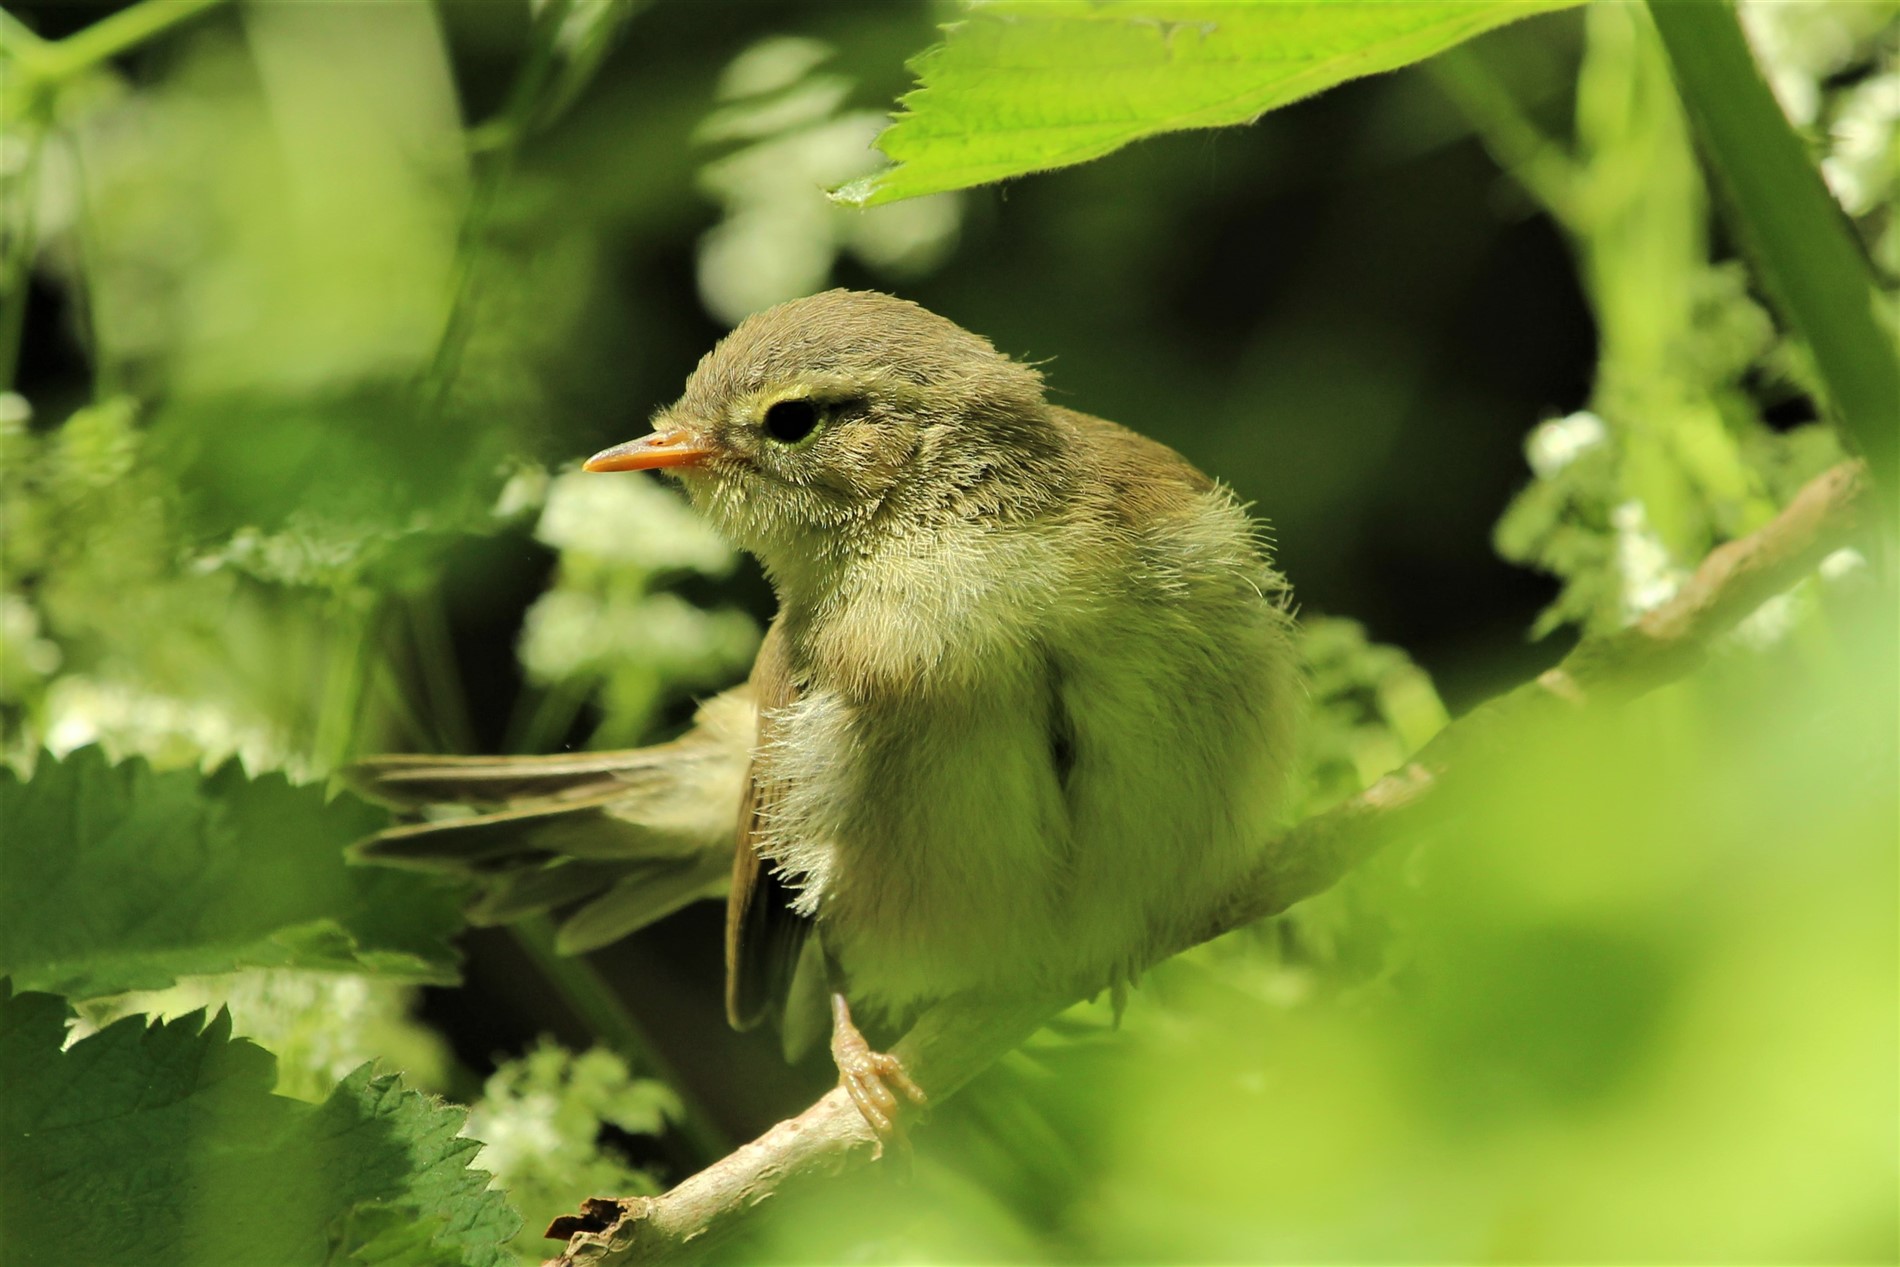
(763, 933)
(1137, 478)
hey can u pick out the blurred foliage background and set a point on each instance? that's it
(311, 310)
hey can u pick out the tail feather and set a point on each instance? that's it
(631, 836)
(641, 896)
(477, 842)
(556, 883)
(410, 782)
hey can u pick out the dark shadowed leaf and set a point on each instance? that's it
(162, 1144)
(123, 878)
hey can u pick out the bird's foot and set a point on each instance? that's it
(872, 1079)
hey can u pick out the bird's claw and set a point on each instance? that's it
(873, 1079)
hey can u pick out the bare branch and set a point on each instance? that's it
(960, 1037)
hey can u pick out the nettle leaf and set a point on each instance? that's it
(161, 1143)
(120, 878)
(1026, 85)
(324, 488)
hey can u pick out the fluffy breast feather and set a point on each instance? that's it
(1051, 746)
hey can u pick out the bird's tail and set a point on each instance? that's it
(618, 838)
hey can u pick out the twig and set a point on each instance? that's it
(960, 1037)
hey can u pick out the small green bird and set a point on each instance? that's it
(1027, 711)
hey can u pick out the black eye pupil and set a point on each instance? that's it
(790, 421)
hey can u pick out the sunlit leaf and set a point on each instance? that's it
(1025, 85)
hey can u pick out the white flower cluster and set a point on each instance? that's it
(634, 521)
(1555, 444)
(1649, 577)
(1801, 46)
(307, 552)
(572, 633)
(553, 1100)
(168, 731)
(601, 618)
(539, 1119)
(319, 1025)
(24, 655)
(1863, 163)
(781, 235)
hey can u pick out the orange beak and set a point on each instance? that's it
(677, 447)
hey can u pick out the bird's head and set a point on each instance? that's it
(821, 427)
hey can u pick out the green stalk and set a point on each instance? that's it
(591, 999)
(1797, 238)
(344, 681)
(127, 29)
(441, 684)
(388, 693)
(42, 66)
(106, 378)
(542, 716)
(1521, 148)
(18, 41)
(501, 138)
(16, 270)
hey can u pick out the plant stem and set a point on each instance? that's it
(1799, 241)
(441, 683)
(595, 1003)
(21, 224)
(1538, 163)
(17, 39)
(60, 60)
(542, 716)
(42, 66)
(504, 145)
(344, 682)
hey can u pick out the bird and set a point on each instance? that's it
(1028, 711)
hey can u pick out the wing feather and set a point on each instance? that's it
(763, 933)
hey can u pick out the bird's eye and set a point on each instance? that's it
(789, 421)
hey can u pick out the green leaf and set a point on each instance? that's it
(1026, 85)
(123, 878)
(162, 1144)
(354, 480)
(1793, 232)
(1371, 708)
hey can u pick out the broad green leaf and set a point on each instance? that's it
(162, 1144)
(122, 878)
(1025, 85)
